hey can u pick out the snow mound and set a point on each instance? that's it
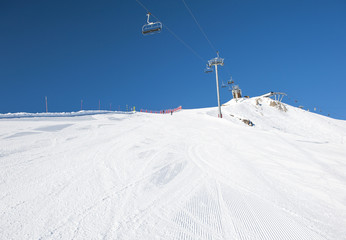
(268, 114)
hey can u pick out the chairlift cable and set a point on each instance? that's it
(146, 9)
(199, 26)
(174, 35)
(185, 44)
(203, 32)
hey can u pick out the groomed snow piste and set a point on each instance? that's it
(189, 175)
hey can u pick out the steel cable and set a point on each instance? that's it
(199, 26)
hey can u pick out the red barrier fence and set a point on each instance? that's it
(162, 111)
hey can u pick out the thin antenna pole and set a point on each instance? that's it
(46, 104)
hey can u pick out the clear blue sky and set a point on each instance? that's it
(94, 50)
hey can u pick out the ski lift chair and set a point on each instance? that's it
(208, 69)
(230, 81)
(151, 27)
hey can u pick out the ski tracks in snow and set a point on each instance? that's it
(246, 215)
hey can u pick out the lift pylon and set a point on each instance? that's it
(215, 62)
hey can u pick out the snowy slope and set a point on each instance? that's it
(185, 176)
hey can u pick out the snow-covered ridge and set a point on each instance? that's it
(58, 114)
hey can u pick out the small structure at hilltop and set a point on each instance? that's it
(276, 102)
(236, 92)
(278, 96)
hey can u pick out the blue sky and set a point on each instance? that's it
(94, 50)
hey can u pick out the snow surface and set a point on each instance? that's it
(54, 114)
(188, 175)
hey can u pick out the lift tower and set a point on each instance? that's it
(214, 62)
